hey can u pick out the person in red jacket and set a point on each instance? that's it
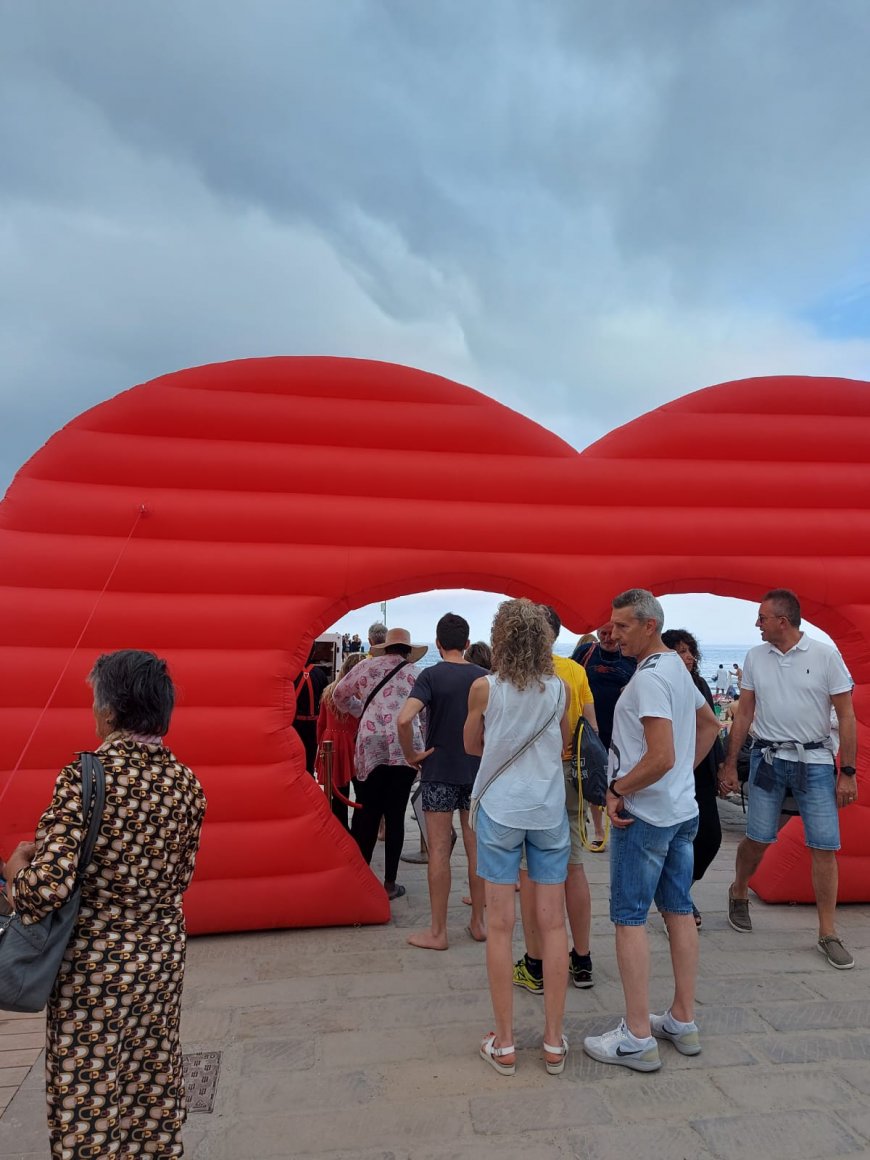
(339, 728)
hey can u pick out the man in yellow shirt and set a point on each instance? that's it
(528, 972)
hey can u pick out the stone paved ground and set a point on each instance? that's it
(347, 1043)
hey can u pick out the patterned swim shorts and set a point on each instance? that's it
(439, 797)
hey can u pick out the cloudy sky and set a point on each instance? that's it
(582, 209)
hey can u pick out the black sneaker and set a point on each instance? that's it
(580, 967)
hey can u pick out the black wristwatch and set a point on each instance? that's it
(612, 788)
(849, 770)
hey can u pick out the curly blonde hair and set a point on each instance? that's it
(522, 643)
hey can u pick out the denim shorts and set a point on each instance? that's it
(499, 849)
(651, 864)
(440, 797)
(817, 804)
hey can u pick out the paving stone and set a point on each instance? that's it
(654, 1097)
(271, 1055)
(858, 1119)
(750, 989)
(20, 1057)
(278, 993)
(12, 1076)
(260, 1093)
(202, 1025)
(358, 1048)
(547, 1108)
(433, 1123)
(816, 1016)
(782, 1087)
(323, 1016)
(33, 1041)
(397, 983)
(856, 1075)
(796, 1135)
(652, 1141)
(812, 1048)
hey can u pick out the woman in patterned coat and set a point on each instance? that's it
(113, 1056)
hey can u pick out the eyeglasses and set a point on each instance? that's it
(760, 617)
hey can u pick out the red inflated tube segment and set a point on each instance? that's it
(266, 525)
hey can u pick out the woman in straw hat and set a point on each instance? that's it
(375, 691)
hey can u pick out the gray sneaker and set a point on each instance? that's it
(738, 914)
(686, 1040)
(836, 954)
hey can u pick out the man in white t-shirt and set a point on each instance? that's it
(662, 729)
(790, 685)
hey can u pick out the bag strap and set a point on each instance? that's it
(93, 802)
(516, 756)
(380, 685)
(575, 746)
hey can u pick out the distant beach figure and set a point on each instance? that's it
(519, 795)
(721, 679)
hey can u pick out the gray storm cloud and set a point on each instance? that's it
(582, 209)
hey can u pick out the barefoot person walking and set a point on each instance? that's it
(447, 773)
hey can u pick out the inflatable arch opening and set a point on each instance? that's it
(231, 512)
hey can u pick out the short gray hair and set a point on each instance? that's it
(643, 604)
(377, 633)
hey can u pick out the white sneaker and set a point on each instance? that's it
(621, 1047)
(684, 1036)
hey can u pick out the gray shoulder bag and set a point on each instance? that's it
(30, 956)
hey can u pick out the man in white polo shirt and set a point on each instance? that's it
(790, 683)
(662, 728)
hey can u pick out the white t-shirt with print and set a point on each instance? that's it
(793, 693)
(660, 687)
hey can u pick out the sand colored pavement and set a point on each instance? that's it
(348, 1043)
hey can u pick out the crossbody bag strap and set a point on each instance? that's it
(380, 685)
(93, 802)
(516, 756)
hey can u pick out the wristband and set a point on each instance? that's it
(849, 770)
(612, 788)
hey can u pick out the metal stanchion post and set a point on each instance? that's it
(326, 750)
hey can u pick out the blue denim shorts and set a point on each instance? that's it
(500, 848)
(651, 863)
(817, 804)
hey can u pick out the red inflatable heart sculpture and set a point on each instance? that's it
(248, 505)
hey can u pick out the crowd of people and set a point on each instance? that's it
(489, 733)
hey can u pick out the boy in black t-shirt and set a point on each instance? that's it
(447, 774)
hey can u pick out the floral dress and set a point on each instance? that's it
(113, 1055)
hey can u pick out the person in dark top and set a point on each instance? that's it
(709, 836)
(309, 686)
(447, 774)
(608, 672)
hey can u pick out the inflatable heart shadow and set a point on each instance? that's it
(248, 505)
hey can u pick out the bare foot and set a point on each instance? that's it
(478, 933)
(427, 941)
(466, 900)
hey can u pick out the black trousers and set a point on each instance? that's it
(709, 836)
(383, 794)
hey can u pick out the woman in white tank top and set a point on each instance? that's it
(517, 723)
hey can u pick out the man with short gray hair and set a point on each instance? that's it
(789, 686)
(662, 728)
(377, 634)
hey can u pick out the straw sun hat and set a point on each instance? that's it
(399, 636)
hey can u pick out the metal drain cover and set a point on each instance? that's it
(202, 1071)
